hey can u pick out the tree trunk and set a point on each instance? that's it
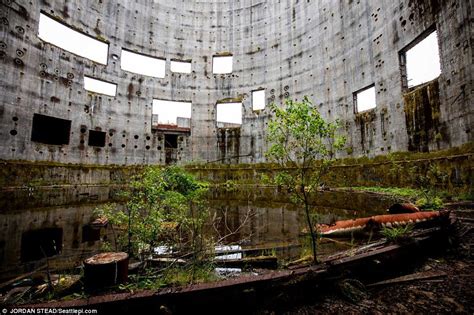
(310, 226)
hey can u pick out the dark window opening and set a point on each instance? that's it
(171, 141)
(96, 138)
(38, 244)
(90, 233)
(50, 130)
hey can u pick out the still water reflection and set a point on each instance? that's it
(261, 221)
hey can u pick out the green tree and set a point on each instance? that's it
(304, 145)
(166, 206)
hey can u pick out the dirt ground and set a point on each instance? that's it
(451, 292)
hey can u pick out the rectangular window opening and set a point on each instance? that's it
(96, 138)
(50, 130)
(221, 64)
(171, 141)
(100, 86)
(229, 113)
(64, 37)
(42, 243)
(170, 112)
(180, 66)
(90, 233)
(142, 64)
(420, 60)
(364, 99)
(258, 99)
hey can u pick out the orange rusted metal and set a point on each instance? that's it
(174, 128)
(403, 208)
(389, 220)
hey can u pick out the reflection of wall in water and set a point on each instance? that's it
(51, 196)
(265, 226)
(274, 225)
(227, 222)
(330, 201)
(15, 226)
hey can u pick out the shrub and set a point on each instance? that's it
(397, 234)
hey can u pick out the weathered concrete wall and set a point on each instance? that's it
(70, 219)
(450, 170)
(36, 195)
(28, 185)
(25, 185)
(324, 49)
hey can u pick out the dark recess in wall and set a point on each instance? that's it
(50, 130)
(90, 233)
(42, 243)
(96, 138)
(171, 141)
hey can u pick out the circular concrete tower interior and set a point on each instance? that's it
(93, 91)
(160, 82)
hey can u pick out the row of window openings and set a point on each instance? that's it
(170, 112)
(167, 111)
(56, 131)
(420, 61)
(63, 36)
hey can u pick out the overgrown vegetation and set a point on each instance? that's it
(397, 192)
(427, 177)
(173, 276)
(428, 184)
(304, 145)
(397, 234)
(166, 208)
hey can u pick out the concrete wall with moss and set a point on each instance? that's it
(324, 49)
(449, 170)
(39, 195)
(27, 185)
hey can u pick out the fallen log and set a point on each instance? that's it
(411, 277)
(255, 250)
(160, 262)
(267, 262)
(20, 277)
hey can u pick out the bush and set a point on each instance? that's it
(433, 203)
(166, 206)
(397, 234)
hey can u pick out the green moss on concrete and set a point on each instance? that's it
(399, 169)
(422, 114)
(27, 173)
